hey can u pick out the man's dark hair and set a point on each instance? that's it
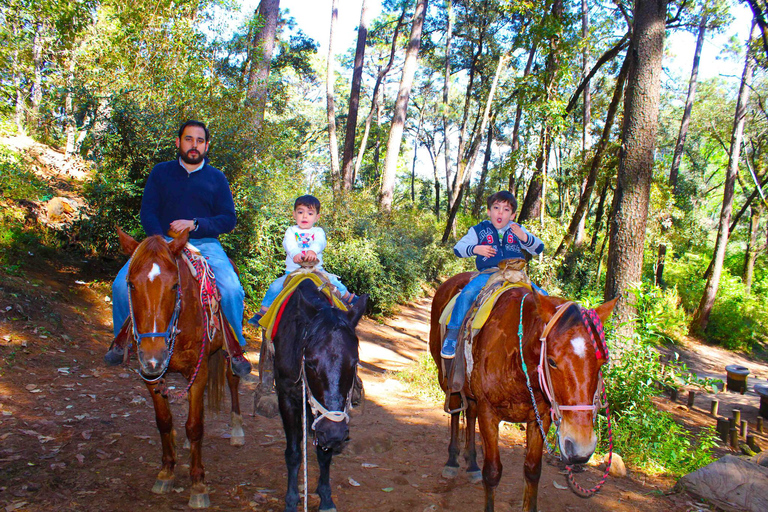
(192, 122)
(308, 201)
(503, 196)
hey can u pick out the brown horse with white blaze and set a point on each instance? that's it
(496, 390)
(171, 335)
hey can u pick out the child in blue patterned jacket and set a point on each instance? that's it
(490, 242)
(303, 242)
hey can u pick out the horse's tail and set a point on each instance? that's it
(216, 380)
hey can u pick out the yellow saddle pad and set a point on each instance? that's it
(268, 320)
(484, 311)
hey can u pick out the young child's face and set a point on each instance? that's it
(500, 213)
(305, 216)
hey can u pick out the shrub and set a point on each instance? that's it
(659, 316)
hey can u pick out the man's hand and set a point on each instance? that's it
(180, 225)
(518, 231)
(488, 251)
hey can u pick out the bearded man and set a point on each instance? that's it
(188, 193)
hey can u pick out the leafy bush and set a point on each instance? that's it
(659, 316)
(17, 181)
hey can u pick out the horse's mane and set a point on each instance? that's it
(152, 248)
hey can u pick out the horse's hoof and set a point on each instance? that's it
(162, 486)
(237, 441)
(475, 477)
(266, 405)
(450, 472)
(199, 500)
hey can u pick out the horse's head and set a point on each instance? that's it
(330, 365)
(154, 295)
(572, 357)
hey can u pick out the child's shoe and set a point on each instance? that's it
(449, 345)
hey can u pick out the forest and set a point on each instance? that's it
(644, 183)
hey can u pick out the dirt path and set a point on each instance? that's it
(75, 435)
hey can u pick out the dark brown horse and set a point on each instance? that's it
(496, 390)
(171, 336)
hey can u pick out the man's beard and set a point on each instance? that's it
(191, 160)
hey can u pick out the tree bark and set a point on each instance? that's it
(446, 94)
(586, 118)
(333, 143)
(581, 208)
(347, 170)
(480, 192)
(630, 204)
(37, 86)
(261, 59)
(401, 107)
(701, 315)
(17, 81)
(415, 149)
(375, 96)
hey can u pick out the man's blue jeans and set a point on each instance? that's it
(232, 294)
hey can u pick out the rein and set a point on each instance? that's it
(599, 401)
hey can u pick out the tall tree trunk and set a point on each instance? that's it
(752, 250)
(354, 100)
(532, 204)
(683, 133)
(69, 110)
(633, 187)
(375, 97)
(701, 315)
(333, 143)
(480, 192)
(37, 86)
(262, 46)
(599, 216)
(519, 115)
(17, 80)
(446, 94)
(415, 150)
(401, 107)
(586, 118)
(589, 185)
(474, 149)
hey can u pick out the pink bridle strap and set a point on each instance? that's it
(545, 380)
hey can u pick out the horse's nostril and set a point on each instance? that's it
(568, 449)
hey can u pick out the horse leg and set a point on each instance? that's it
(451, 468)
(534, 444)
(290, 412)
(237, 435)
(470, 450)
(164, 420)
(199, 492)
(324, 482)
(264, 400)
(489, 433)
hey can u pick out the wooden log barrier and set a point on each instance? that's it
(691, 399)
(744, 429)
(673, 394)
(713, 406)
(733, 437)
(736, 417)
(752, 443)
(760, 425)
(723, 425)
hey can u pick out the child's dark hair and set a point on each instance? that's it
(199, 124)
(308, 201)
(503, 196)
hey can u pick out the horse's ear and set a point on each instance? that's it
(604, 310)
(127, 243)
(357, 311)
(544, 306)
(178, 243)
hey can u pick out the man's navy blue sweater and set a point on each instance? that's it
(172, 194)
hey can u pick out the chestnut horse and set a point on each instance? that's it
(496, 390)
(171, 336)
(316, 356)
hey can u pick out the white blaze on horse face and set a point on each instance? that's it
(154, 272)
(579, 346)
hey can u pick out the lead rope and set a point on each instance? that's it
(304, 429)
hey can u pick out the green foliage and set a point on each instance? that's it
(644, 436)
(17, 181)
(659, 315)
